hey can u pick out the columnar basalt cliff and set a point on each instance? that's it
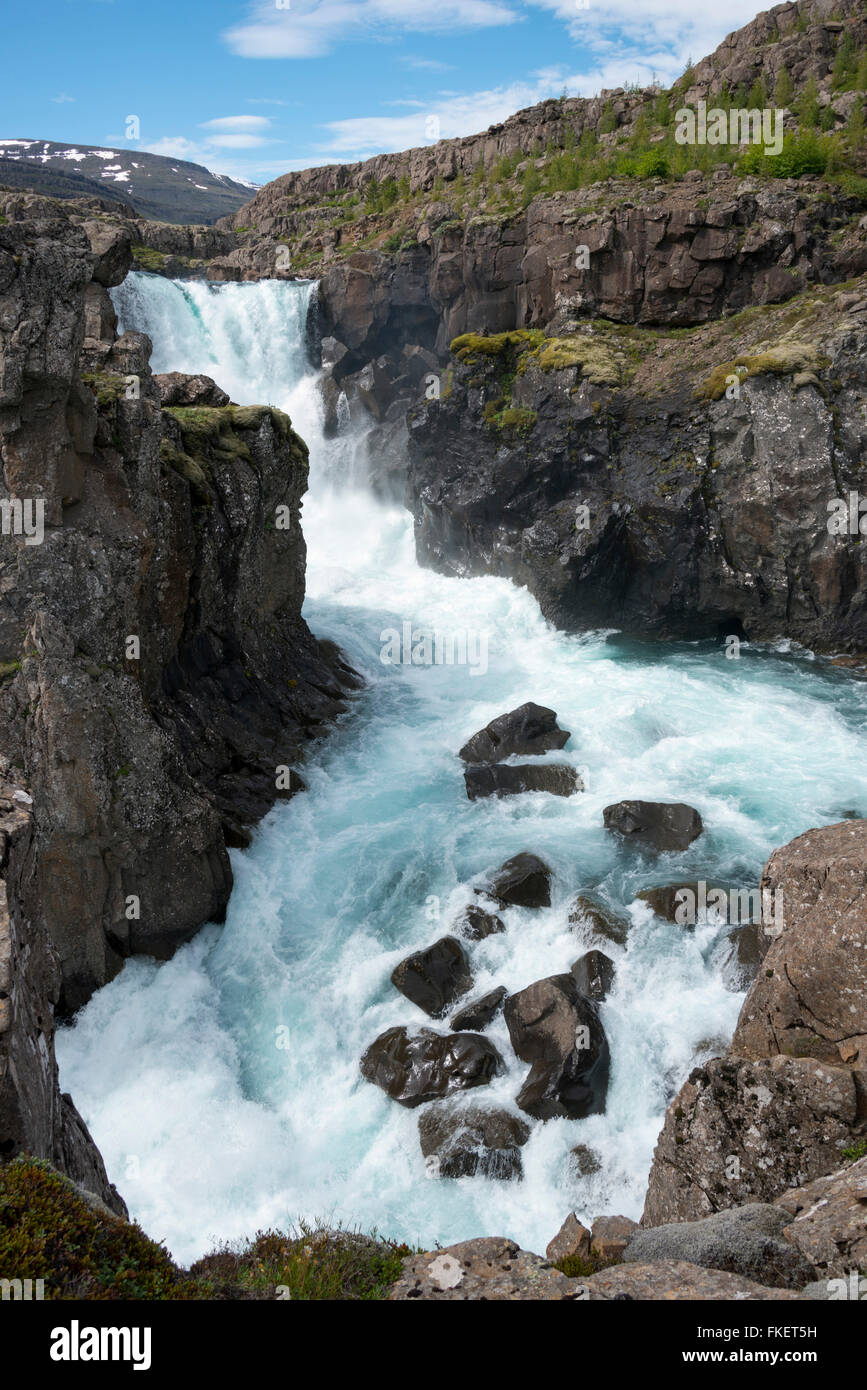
(158, 684)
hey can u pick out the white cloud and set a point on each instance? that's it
(62, 98)
(237, 123)
(312, 28)
(426, 64)
(237, 141)
(176, 147)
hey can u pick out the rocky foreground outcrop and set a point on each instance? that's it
(789, 1098)
(158, 685)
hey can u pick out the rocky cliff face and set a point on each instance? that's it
(157, 682)
(675, 484)
(788, 1102)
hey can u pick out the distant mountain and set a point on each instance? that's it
(165, 190)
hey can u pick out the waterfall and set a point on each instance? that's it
(223, 1086)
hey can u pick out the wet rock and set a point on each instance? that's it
(609, 1237)
(524, 881)
(506, 780)
(463, 1143)
(474, 1017)
(559, 1032)
(571, 1242)
(746, 948)
(584, 1161)
(530, 729)
(594, 975)
(475, 923)
(675, 902)
(435, 977)
(415, 1068)
(746, 1240)
(662, 825)
(589, 913)
(492, 1269)
(676, 1280)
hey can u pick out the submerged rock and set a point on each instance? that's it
(526, 730)
(436, 977)
(587, 912)
(524, 881)
(463, 1143)
(594, 975)
(415, 1068)
(559, 1032)
(475, 923)
(664, 825)
(505, 780)
(472, 1018)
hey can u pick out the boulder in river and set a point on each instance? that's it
(524, 881)
(684, 903)
(555, 1028)
(475, 923)
(589, 913)
(504, 779)
(414, 1068)
(436, 977)
(746, 948)
(473, 1017)
(662, 825)
(594, 975)
(528, 730)
(463, 1143)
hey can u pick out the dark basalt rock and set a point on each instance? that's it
(600, 919)
(413, 1068)
(524, 881)
(663, 825)
(503, 780)
(527, 730)
(547, 1023)
(666, 903)
(436, 977)
(594, 975)
(463, 1143)
(746, 948)
(475, 923)
(472, 1018)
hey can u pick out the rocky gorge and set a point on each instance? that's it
(651, 442)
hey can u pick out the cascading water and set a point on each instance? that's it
(223, 1086)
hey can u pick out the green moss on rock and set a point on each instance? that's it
(148, 258)
(786, 359)
(469, 347)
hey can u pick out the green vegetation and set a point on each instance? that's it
(107, 387)
(8, 669)
(311, 1265)
(783, 360)
(855, 1151)
(48, 1231)
(149, 259)
(469, 347)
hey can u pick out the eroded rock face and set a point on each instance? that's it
(559, 1032)
(810, 997)
(663, 826)
(142, 762)
(744, 1131)
(524, 881)
(529, 729)
(748, 1240)
(558, 779)
(435, 977)
(827, 1221)
(415, 1068)
(462, 1143)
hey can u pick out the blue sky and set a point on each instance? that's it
(256, 88)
